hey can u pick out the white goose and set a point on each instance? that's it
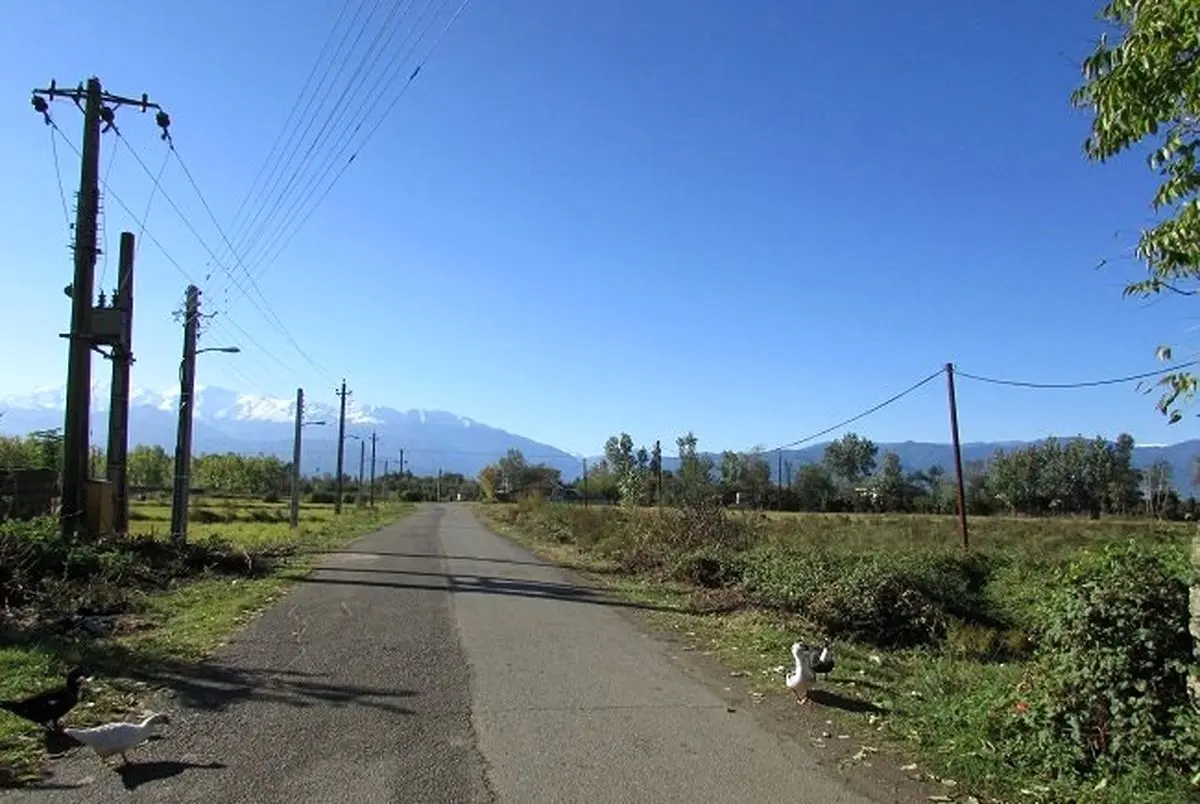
(803, 676)
(117, 738)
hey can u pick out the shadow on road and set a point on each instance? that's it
(213, 687)
(478, 584)
(136, 774)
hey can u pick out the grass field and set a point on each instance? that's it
(166, 619)
(948, 695)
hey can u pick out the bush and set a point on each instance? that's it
(203, 516)
(322, 498)
(272, 497)
(1111, 672)
(412, 496)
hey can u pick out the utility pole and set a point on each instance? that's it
(295, 513)
(779, 478)
(118, 406)
(362, 463)
(183, 442)
(98, 107)
(958, 467)
(372, 497)
(402, 462)
(341, 447)
(439, 484)
(585, 494)
(658, 473)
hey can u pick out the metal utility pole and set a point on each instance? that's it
(183, 442)
(98, 107)
(295, 513)
(118, 407)
(958, 467)
(341, 447)
(373, 440)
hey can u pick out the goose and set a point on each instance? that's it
(47, 708)
(117, 738)
(803, 675)
(824, 662)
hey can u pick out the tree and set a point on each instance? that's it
(1158, 486)
(1147, 85)
(814, 487)
(695, 470)
(149, 467)
(892, 487)
(851, 458)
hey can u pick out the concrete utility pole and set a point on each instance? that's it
(439, 485)
(373, 440)
(98, 107)
(341, 446)
(362, 466)
(295, 512)
(118, 407)
(183, 441)
(402, 463)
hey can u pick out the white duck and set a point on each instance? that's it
(800, 678)
(117, 738)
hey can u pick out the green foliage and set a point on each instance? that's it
(1109, 690)
(851, 458)
(1143, 86)
(41, 449)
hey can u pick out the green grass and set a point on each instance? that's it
(938, 702)
(175, 627)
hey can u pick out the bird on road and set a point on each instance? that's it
(802, 676)
(47, 708)
(117, 738)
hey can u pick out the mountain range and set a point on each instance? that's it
(230, 421)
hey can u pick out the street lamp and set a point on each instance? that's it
(183, 438)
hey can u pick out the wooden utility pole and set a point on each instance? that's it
(118, 407)
(98, 108)
(439, 485)
(183, 441)
(585, 490)
(372, 496)
(401, 462)
(658, 472)
(958, 466)
(295, 512)
(341, 447)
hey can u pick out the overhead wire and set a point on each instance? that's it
(62, 193)
(1065, 385)
(270, 317)
(889, 401)
(379, 119)
(268, 311)
(288, 122)
(265, 202)
(347, 109)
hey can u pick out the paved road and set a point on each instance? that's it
(436, 662)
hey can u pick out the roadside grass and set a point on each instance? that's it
(167, 618)
(949, 705)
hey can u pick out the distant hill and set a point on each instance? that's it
(230, 421)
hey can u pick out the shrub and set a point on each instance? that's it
(412, 496)
(1111, 673)
(204, 516)
(322, 498)
(272, 497)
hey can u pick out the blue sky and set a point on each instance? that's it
(748, 220)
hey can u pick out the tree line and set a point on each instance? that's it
(1074, 476)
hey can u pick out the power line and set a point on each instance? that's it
(265, 200)
(1090, 384)
(338, 132)
(108, 192)
(864, 414)
(287, 123)
(62, 194)
(379, 119)
(271, 318)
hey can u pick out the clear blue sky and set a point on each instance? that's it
(750, 220)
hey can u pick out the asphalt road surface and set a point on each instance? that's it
(437, 662)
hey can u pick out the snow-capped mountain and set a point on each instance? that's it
(227, 420)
